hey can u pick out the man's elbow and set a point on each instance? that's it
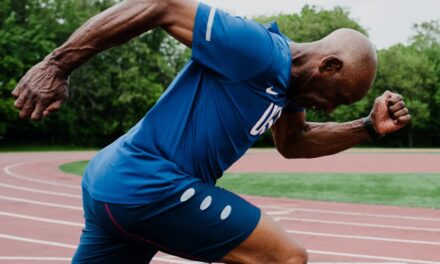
(296, 152)
(288, 152)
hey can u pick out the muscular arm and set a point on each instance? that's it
(296, 138)
(44, 87)
(121, 23)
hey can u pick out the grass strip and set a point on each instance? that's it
(405, 189)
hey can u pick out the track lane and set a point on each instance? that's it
(305, 210)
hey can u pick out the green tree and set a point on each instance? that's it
(313, 23)
(404, 70)
(116, 88)
(426, 42)
(108, 94)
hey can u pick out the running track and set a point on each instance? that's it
(41, 215)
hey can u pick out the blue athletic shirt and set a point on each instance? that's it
(231, 91)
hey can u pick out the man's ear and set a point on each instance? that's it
(331, 64)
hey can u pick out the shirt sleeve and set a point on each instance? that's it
(234, 47)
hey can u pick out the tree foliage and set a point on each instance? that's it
(107, 95)
(112, 91)
(413, 71)
(312, 23)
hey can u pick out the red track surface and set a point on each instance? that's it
(41, 215)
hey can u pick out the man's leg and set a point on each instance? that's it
(204, 223)
(100, 245)
(268, 243)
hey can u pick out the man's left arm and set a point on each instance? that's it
(296, 138)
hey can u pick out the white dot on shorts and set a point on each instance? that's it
(206, 203)
(187, 194)
(226, 212)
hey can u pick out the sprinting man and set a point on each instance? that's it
(153, 189)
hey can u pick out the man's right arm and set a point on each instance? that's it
(296, 138)
(44, 87)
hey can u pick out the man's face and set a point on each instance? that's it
(323, 97)
(315, 102)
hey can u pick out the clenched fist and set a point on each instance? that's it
(41, 91)
(389, 113)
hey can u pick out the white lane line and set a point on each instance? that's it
(21, 200)
(353, 213)
(364, 238)
(8, 171)
(278, 218)
(37, 241)
(180, 261)
(33, 190)
(318, 252)
(40, 219)
(329, 253)
(12, 258)
(282, 212)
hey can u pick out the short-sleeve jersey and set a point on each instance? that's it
(231, 91)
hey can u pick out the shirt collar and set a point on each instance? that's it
(273, 27)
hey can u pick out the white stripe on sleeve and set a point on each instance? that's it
(210, 22)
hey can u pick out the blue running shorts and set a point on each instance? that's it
(202, 223)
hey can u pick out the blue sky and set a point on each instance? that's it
(388, 21)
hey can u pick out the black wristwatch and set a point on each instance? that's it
(371, 130)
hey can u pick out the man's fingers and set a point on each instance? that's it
(16, 92)
(396, 106)
(19, 88)
(394, 98)
(387, 94)
(27, 108)
(21, 100)
(405, 120)
(400, 113)
(54, 107)
(37, 114)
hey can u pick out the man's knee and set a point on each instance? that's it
(294, 256)
(268, 243)
(300, 256)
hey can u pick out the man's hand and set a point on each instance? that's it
(41, 91)
(389, 113)
(44, 87)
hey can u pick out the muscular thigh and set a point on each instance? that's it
(268, 243)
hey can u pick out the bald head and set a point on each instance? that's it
(349, 42)
(338, 69)
(358, 56)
